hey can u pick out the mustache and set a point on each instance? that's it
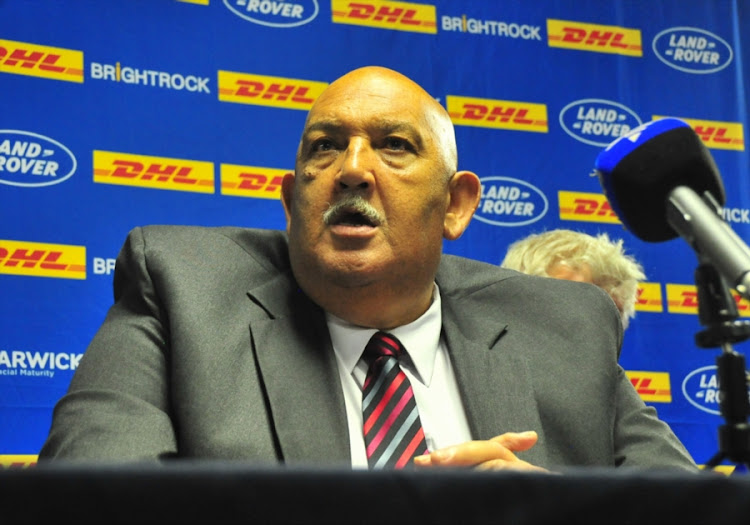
(352, 206)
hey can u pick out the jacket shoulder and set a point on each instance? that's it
(461, 273)
(266, 246)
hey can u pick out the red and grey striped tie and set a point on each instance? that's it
(392, 429)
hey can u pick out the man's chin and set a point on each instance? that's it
(353, 268)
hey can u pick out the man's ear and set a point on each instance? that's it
(464, 192)
(287, 189)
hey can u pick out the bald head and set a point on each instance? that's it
(393, 88)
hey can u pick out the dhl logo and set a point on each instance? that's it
(42, 260)
(153, 172)
(593, 37)
(715, 134)
(251, 181)
(199, 2)
(683, 299)
(18, 461)
(290, 93)
(651, 386)
(649, 298)
(34, 60)
(402, 16)
(501, 114)
(589, 207)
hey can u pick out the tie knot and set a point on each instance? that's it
(383, 344)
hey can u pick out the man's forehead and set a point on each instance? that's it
(373, 112)
(377, 124)
(393, 109)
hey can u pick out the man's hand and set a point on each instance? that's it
(494, 454)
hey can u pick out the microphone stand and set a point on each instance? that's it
(717, 311)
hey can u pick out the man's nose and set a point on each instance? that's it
(357, 167)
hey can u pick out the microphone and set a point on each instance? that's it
(661, 181)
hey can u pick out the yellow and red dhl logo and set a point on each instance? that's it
(251, 181)
(402, 16)
(594, 37)
(651, 386)
(42, 260)
(34, 60)
(589, 207)
(501, 114)
(291, 93)
(716, 134)
(683, 299)
(153, 172)
(18, 460)
(649, 298)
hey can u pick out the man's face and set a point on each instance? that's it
(368, 201)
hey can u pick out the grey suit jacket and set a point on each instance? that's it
(211, 351)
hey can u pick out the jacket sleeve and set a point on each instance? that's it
(640, 437)
(117, 405)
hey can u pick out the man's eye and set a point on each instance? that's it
(323, 145)
(396, 143)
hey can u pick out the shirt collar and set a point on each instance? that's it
(420, 338)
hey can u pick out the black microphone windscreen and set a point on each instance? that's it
(638, 185)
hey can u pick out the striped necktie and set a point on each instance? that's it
(392, 429)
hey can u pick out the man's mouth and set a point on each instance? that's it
(352, 218)
(353, 212)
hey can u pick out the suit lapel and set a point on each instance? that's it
(300, 376)
(493, 377)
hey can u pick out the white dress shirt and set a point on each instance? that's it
(428, 367)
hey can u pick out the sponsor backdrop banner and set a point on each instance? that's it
(120, 114)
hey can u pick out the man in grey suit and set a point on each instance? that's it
(230, 343)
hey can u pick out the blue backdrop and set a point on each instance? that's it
(119, 114)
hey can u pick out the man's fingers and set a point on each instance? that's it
(467, 454)
(517, 441)
(500, 449)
